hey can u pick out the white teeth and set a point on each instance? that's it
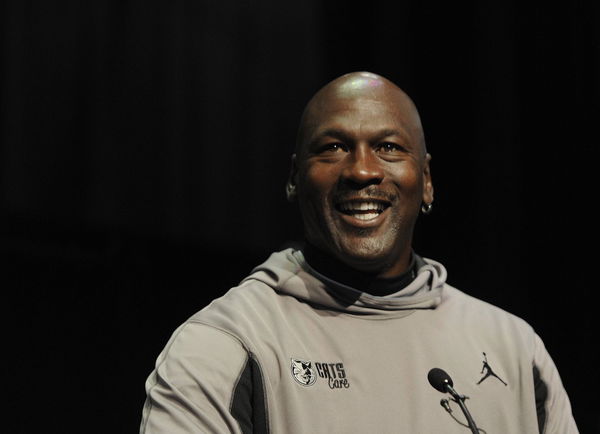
(362, 210)
(361, 206)
(368, 216)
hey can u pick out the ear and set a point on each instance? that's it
(427, 183)
(290, 186)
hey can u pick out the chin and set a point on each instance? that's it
(366, 255)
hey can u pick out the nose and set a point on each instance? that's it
(363, 167)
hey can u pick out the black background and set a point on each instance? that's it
(145, 147)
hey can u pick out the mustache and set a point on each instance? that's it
(371, 192)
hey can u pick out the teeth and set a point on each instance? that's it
(367, 216)
(361, 206)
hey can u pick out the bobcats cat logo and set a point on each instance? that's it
(303, 372)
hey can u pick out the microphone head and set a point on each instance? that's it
(439, 379)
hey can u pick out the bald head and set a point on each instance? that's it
(359, 88)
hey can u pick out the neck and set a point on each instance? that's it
(374, 283)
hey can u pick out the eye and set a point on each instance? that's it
(390, 147)
(333, 147)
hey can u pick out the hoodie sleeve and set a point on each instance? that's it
(203, 382)
(553, 406)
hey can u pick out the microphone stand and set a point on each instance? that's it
(460, 400)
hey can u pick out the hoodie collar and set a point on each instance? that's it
(336, 271)
(287, 272)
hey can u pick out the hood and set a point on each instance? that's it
(287, 272)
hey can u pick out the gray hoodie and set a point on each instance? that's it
(291, 351)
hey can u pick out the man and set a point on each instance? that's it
(338, 336)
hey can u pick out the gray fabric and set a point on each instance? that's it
(335, 360)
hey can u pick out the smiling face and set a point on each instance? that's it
(361, 173)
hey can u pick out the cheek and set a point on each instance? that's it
(317, 183)
(407, 179)
(313, 190)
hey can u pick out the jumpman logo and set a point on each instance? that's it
(488, 371)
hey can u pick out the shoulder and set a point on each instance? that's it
(194, 340)
(479, 316)
(458, 299)
(250, 298)
(247, 313)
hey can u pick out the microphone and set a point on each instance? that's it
(441, 381)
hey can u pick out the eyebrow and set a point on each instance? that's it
(342, 135)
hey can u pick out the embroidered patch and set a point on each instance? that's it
(303, 372)
(487, 371)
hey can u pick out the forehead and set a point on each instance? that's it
(361, 111)
(361, 114)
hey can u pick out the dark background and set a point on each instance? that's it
(145, 147)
